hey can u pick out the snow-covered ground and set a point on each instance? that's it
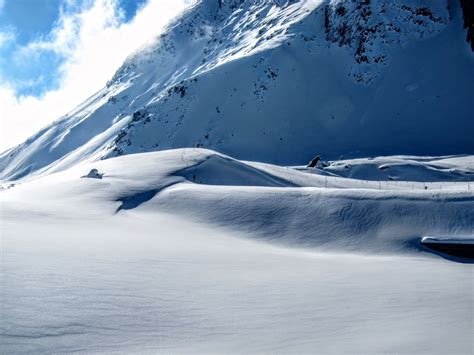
(189, 250)
(192, 251)
(403, 168)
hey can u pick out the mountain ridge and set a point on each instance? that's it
(278, 82)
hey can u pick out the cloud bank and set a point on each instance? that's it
(94, 41)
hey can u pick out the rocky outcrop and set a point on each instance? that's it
(369, 28)
(468, 16)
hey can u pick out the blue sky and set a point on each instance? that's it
(56, 53)
(26, 21)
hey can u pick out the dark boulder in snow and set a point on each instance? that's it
(93, 174)
(314, 162)
(460, 247)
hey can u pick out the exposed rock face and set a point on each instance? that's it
(93, 174)
(468, 15)
(370, 28)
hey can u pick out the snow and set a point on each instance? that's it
(121, 234)
(406, 168)
(278, 82)
(245, 257)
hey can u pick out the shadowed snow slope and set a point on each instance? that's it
(267, 201)
(144, 260)
(279, 81)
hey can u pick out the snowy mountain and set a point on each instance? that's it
(279, 81)
(113, 243)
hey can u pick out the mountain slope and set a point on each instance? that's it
(279, 81)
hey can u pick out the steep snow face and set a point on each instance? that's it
(279, 81)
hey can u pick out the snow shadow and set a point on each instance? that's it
(136, 200)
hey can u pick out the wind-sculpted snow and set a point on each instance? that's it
(278, 81)
(219, 170)
(191, 251)
(283, 205)
(364, 221)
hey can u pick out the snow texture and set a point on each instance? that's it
(190, 250)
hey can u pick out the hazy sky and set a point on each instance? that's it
(56, 53)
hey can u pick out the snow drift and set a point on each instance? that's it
(176, 251)
(269, 202)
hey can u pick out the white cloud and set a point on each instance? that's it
(95, 42)
(6, 36)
